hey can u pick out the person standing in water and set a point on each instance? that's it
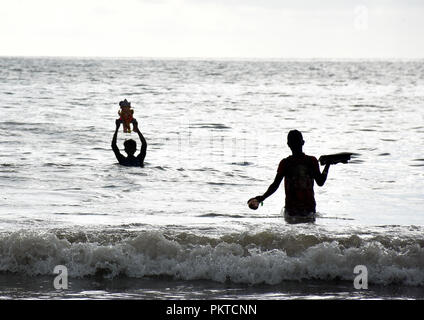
(299, 171)
(130, 147)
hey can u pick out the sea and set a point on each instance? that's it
(180, 228)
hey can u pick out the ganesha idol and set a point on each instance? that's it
(126, 115)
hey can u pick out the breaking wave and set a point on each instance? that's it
(250, 258)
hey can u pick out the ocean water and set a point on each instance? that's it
(179, 228)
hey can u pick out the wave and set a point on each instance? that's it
(251, 258)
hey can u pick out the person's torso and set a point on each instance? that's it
(131, 162)
(299, 183)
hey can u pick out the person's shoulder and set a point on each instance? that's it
(285, 160)
(283, 163)
(312, 159)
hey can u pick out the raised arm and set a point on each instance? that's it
(115, 148)
(319, 177)
(143, 150)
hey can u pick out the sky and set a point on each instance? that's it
(213, 28)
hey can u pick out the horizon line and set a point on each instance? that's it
(211, 58)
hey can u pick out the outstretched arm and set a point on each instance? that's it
(272, 188)
(143, 150)
(115, 148)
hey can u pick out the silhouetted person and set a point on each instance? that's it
(299, 171)
(130, 147)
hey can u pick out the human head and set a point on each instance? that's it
(130, 146)
(295, 140)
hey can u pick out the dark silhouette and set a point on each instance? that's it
(342, 157)
(130, 147)
(299, 171)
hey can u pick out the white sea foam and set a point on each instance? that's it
(233, 259)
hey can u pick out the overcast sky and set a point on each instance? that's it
(213, 28)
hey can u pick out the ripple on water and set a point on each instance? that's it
(419, 164)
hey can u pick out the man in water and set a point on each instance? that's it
(130, 147)
(299, 171)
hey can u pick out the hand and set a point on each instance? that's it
(135, 125)
(258, 198)
(253, 203)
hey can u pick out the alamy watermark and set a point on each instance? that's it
(361, 280)
(60, 282)
(361, 19)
